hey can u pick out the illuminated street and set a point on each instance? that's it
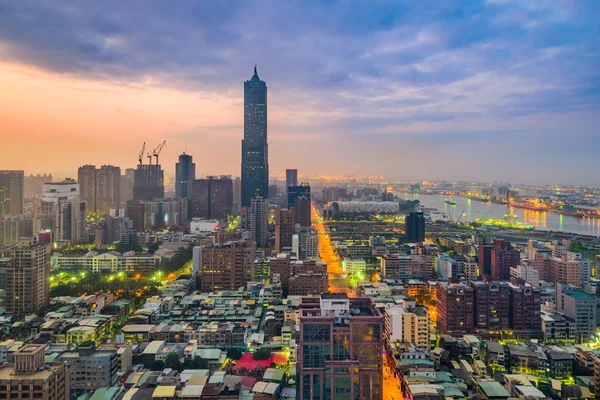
(391, 385)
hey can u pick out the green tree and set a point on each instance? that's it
(262, 354)
(157, 365)
(234, 354)
(172, 361)
(197, 363)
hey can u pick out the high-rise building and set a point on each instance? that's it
(255, 153)
(284, 229)
(34, 185)
(100, 188)
(454, 307)
(503, 258)
(127, 185)
(563, 270)
(396, 266)
(86, 178)
(12, 186)
(148, 182)
(492, 305)
(226, 266)
(108, 188)
(185, 174)
(30, 377)
(299, 201)
(525, 308)
(579, 306)
(415, 227)
(484, 259)
(259, 221)
(61, 200)
(136, 212)
(291, 178)
(305, 243)
(12, 227)
(26, 276)
(212, 198)
(340, 353)
(237, 193)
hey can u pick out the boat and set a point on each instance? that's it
(509, 222)
(533, 205)
(450, 201)
(481, 197)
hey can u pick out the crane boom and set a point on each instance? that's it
(149, 158)
(460, 216)
(158, 149)
(141, 155)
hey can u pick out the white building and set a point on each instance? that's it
(62, 201)
(106, 262)
(527, 273)
(199, 226)
(354, 265)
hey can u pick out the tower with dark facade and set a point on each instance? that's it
(185, 173)
(255, 158)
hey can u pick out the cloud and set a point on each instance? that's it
(350, 71)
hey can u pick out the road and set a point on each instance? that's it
(391, 384)
(338, 283)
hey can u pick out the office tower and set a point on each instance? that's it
(212, 198)
(12, 227)
(299, 201)
(291, 178)
(86, 178)
(503, 258)
(525, 308)
(30, 377)
(34, 185)
(127, 185)
(484, 259)
(61, 201)
(579, 306)
(148, 182)
(454, 307)
(259, 221)
(415, 227)
(185, 173)
(273, 191)
(284, 267)
(100, 188)
(255, 157)
(226, 266)
(108, 188)
(11, 192)
(284, 228)
(340, 353)
(26, 277)
(237, 193)
(492, 305)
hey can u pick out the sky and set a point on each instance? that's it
(495, 90)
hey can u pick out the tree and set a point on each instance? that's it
(157, 365)
(197, 363)
(172, 361)
(262, 354)
(234, 354)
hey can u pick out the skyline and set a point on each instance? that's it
(488, 91)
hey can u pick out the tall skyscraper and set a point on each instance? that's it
(127, 185)
(255, 157)
(340, 353)
(504, 258)
(415, 227)
(259, 220)
(454, 307)
(212, 198)
(284, 229)
(148, 182)
(299, 201)
(26, 277)
(12, 185)
(291, 178)
(86, 178)
(185, 173)
(100, 188)
(61, 200)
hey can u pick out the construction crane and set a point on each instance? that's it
(141, 156)
(460, 216)
(149, 156)
(158, 150)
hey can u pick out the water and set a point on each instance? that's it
(548, 221)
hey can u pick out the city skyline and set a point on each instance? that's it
(469, 90)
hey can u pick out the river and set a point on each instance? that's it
(542, 220)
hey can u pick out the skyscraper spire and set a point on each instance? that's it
(255, 73)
